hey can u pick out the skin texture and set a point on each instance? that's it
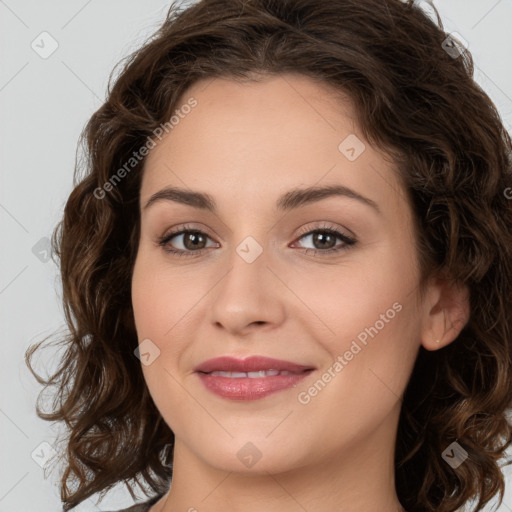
(246, 145)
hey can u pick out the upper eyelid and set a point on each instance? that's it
(327, 226)
(180, 230)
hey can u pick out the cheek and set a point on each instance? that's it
(379, 339)
(160, 312)
(161, 297)
(353, 297)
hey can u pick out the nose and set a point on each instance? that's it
(249, 296)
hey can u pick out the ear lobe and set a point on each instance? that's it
(447, 316)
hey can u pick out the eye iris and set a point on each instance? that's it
(322, 237)
(194, 238)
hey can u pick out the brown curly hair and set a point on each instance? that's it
(416, 99)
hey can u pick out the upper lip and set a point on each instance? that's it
(249, 364)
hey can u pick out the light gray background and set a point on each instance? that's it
(45, 103)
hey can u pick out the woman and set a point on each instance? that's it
(287, 268)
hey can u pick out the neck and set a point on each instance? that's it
(359, 478)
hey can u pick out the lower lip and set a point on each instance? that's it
(247, 388)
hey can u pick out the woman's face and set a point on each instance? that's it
(251, 284)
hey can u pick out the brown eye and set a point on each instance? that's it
(186, 240)
(324, 240)
(194, 240)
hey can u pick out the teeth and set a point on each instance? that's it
(251, 375)
(254, 375)
(238, 374)
(268, 373)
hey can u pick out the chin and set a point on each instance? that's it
(254, 455)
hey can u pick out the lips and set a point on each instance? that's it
(251, 378)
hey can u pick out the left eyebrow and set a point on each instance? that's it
(292, 199)
(303, 196)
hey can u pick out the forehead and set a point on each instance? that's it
(260, 138)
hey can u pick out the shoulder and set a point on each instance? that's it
(140, 507)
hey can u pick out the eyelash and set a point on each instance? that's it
(347, 240)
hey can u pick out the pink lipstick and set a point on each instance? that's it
(251, 378)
